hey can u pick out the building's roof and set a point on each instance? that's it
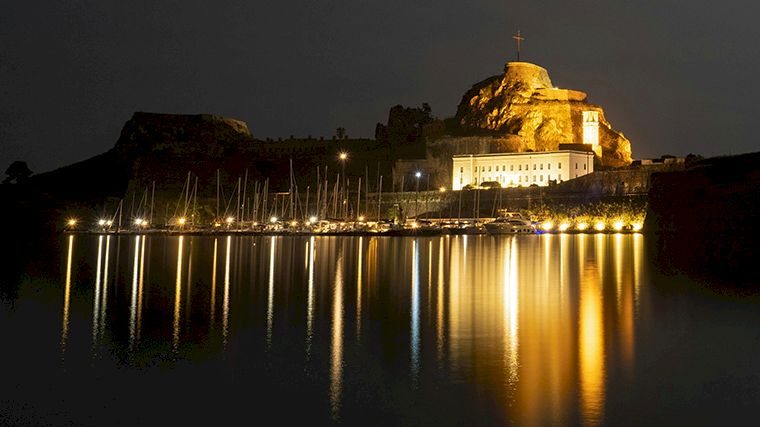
(525, 154)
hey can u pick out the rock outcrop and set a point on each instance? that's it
(524, 104)
(199, 134)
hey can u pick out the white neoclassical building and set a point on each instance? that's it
(521, 169)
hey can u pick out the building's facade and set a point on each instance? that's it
(520, 169)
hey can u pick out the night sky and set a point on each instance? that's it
(675, 77)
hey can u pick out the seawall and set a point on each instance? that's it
(706, 220)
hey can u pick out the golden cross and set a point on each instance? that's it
(518, 38)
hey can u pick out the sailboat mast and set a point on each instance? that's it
(240, 219)
(152, 199)
(290, 190)
(306, 212)
(358, 198)
(379, 197)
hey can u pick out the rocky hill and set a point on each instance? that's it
(523, 105)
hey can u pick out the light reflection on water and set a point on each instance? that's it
(532, 322)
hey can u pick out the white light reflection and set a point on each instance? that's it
(177, 296)
(415, 309)
(212, 317)
(96, 298)
(336, 365)
(66, 296)
(140, 288)
(359, 290)
(310, 299)
(226, 296)
(133, 300)
(439, 306)
(511, 315)
(270, 292)
(105, 290)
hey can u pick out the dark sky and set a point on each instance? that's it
(675, 76)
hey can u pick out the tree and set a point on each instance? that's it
(340, 133)
(17, 172)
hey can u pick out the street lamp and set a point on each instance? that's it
(343, 156)
(417, 175)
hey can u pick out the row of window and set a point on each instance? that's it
(519, 167)
(522, 178)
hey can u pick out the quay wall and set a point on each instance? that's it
(705, 221)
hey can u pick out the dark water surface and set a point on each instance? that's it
(529, 330)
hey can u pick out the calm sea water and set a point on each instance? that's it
(484, 330)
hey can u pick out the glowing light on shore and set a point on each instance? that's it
(101, 222)
(361, 219)
(582, 226)
(617, 225)
(71, 222)
(229, 220)
(442, 189)
(564, 226)
(547, 225)
(599, 226)
(273, 219)
(313, 219)
(181, 221)
(637, 226)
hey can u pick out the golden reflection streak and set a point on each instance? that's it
(359, 290)
(226, 295)
(511, 315)
(600, 246)
(105, 289)
(591, 346)
(336, 365)
(439, 306)
(414, 345)
(270, 292)
(96, 298)
(637, 255)
(458, 271)
(189, 292)
(430, 280)
(626, 313)
(371, 269)
(212, 310)
(66, 296)
(133, 300)
(310, 298)
(618, 249)
(177, 295)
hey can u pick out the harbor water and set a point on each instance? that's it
(446, 330)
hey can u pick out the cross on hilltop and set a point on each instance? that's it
(518, 38)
